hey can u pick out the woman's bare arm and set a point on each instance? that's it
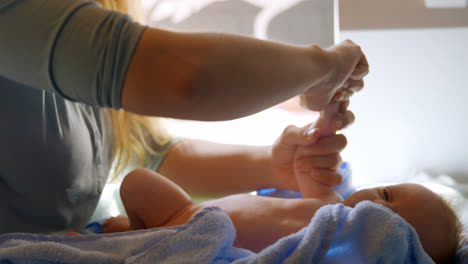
(206, 168)
(217, 76)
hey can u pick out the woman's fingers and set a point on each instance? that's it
(323, 146)
(355, 85)
(361, 69)
(349, 88)
(307, 164)
(327, 177)
(293, 135)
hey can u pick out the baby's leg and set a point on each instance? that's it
(152, 200)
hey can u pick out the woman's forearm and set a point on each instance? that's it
(216, 76)
(205, 168)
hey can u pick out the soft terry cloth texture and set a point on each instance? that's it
(369, 233)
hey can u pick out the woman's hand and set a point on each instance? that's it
(316, 166)
(319, 156)
(348, 67)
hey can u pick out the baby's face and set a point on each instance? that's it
(420, 207)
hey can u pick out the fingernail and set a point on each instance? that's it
(339, 124)
(311, 132)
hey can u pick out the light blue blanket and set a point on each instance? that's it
(369, 233)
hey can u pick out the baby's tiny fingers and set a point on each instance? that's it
(344, 120)
(346, 95)
(323, 146)
(338, 95)
(344, 107)
(309, 163)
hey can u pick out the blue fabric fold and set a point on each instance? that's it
(368, 233)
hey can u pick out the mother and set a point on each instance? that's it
(66, 63)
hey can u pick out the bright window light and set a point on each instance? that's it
(259, 129)
(446, 3)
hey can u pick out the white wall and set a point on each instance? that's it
(412, 115)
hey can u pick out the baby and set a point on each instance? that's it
(432, 217)
(152, 200)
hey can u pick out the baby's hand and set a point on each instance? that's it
(333, 118)
(316, 169)
(316, 154)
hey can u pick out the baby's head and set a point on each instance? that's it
(433, 218)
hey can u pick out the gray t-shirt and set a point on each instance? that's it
(62, 62)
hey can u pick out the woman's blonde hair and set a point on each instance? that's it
(135, 136)
(131, 7)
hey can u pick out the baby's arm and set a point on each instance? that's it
(151, 200)
(261, 221)
(325, 121)
(309, 187)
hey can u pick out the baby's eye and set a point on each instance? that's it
(385, 193)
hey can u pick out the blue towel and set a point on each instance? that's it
(369, 233)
